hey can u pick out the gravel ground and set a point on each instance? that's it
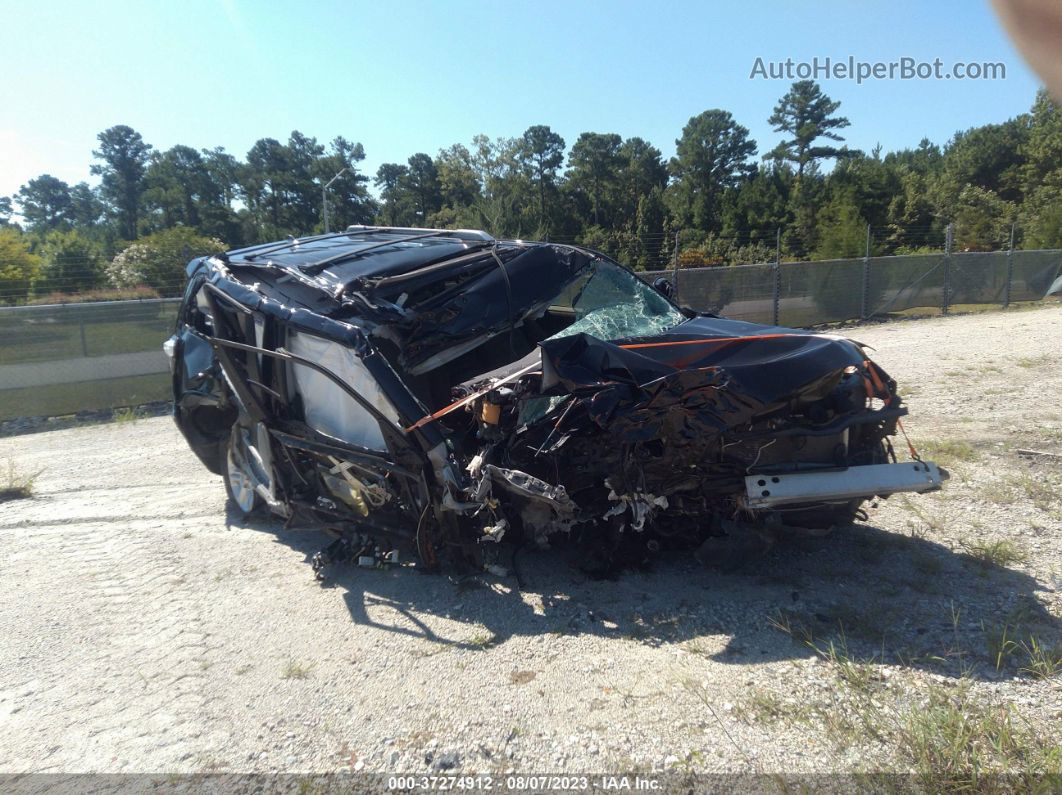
(143, 630)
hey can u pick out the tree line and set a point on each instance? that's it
(811, 196)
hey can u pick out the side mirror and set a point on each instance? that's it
(664, 287)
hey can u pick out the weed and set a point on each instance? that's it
(949, 452)
(1030, 362)
(954, 744)
(424, 650)
(295, 670)
(15, 484)
(933, 522)
(793, 625)
(859, 675)
(1001, 644)
(768, 708)
(929, 564)
(516, 730)
(1001, 492)
(482, 641)
(1038, 489)
(125, 415)
(1002, 553)
(699, 647)
(1042, 662)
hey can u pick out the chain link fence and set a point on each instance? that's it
(65, 358)
(834, 291)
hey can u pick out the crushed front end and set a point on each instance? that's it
(716, 436)
(447, 396)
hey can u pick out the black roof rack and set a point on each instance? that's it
(462, 234)
(472, 236)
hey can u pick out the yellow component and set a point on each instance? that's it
(358, 503)
(348, 493)
(490, 413)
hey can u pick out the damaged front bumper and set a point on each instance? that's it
(880, 480)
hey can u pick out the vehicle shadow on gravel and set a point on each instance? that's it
(863, 594)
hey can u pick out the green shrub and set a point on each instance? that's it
(159, 260)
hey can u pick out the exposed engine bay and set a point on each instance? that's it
(450, 397)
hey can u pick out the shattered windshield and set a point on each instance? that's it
(610, 303)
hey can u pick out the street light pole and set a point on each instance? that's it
(324, 198)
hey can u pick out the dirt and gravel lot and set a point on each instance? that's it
(144, 631)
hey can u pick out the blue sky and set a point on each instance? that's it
(408, 76)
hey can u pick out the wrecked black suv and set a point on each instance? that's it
(446, 395)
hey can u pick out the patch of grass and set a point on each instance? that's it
(793, 624)
(482, 641)
(948, 452)
(930, 521)
(1002, 553)
(929, 564)
(1001, 645)
(956, 744)
(1035, 487)
(1038, 489)
(766, 707)
(61, 399)
(16, 484)
(426, 649)
(1000, 492)
(698, 647)
(1032, 362)
(1042, 662)
(295, 670)
(125, 415)
(859, 675)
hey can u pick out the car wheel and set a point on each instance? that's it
(239, 477)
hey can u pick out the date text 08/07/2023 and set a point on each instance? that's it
(522, 783)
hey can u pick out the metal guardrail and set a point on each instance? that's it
(63, 358)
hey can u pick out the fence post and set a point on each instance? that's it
(675, 271)
(1010, 269)
(946, 297)
(777, 274)
(865, 295)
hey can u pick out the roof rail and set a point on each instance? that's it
(462, 234)
(420, 234)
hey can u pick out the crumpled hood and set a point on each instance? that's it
(706, 374)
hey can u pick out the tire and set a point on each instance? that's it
(239, 481)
